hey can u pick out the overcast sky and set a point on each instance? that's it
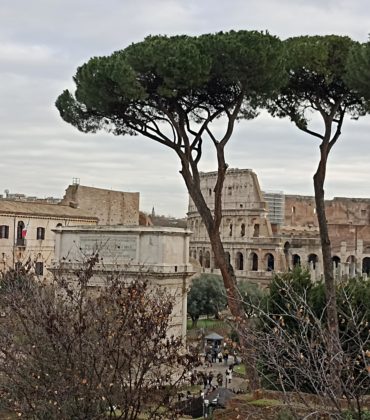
(42, 42)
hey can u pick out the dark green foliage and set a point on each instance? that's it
(317, 67)
(182, 76)
(207, 296)
(251, 296)
(358, 69)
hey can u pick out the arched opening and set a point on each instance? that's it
(207, 259)
(195, 254)
(201, 258)
(231, 229)
(336, 261)
(312, 258)
(239, 261)
(286, 248)
(242, 229)
(296, 259)
(256, 230)
(59, 225)
(270, 262)
(351, 259)
(254, 261)
(366, 265)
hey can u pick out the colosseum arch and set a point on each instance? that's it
(313, 258)
(296, 260)
(366, 265)
(351, 259)
(253, 261)
(270, 262)
(239, 261)
(336, 260)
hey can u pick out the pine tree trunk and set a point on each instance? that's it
(236, 309)
(334, 346)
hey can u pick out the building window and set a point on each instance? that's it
(21, 234)
(40, 233)
(231, 230)
(256, 230)
(210, 191)
(39, 268)
(242, 229)
(4, 232)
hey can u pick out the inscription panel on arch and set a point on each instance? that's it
(110, 246)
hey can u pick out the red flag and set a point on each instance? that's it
(24, 233)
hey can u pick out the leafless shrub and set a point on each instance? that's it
(72, 355)
(292, 344)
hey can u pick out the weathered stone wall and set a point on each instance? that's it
(256, 250)
(111, 207)
(245, 230)
(348, 219)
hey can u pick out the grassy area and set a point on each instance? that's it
(265, 402)
(206, 324)
(240, 369)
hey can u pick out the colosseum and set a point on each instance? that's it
(268, 232)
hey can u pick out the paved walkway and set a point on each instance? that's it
(216, 368)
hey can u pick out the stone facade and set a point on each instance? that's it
(27, 227)
(348, 225)
(159, 254)
(246, 231)
(110, 207)
(260, 240)
(26, 232)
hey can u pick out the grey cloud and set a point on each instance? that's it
(42, 42)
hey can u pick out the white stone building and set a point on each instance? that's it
(26, 232)
(159, 254)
